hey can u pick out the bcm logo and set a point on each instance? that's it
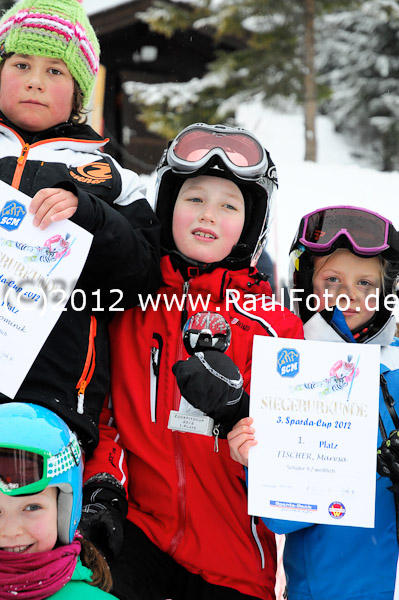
(288, 362)
(12, 214)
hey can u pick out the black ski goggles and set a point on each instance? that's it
(368, 233)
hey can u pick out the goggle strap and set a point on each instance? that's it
(64, 460)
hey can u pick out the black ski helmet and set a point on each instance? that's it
(257, 184)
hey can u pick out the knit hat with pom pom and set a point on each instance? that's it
(56, 29)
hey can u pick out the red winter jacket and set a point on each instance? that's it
(188, 499)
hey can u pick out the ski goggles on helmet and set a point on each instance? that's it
(239, 150)
(26, 470)
(368, 233)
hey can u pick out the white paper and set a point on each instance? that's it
(38, 272)
(315, 411)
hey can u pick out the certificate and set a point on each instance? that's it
(315, 411)
(38, 273)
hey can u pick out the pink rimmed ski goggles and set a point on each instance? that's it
(239, 150)
(368, 233)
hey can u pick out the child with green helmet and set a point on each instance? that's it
(42, 555)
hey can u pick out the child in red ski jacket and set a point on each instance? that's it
(187, 533)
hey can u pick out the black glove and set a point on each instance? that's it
(211, 381)
(103, 513)
(388, 458)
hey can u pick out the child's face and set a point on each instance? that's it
(36, 92)
(352, 276)
(208, 218)
(28, 523)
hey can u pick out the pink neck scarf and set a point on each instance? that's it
(38, 575)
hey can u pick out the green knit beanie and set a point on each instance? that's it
(57, 29)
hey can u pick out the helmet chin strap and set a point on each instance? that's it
(373, 325)
(363, 332)
(182, 262)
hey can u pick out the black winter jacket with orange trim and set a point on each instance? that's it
(124, 256)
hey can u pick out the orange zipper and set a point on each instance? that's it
(21, 161)
(89, 366)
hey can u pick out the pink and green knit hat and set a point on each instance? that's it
(55, 28)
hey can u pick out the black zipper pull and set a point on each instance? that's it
(184, 312)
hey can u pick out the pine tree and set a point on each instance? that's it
(270, 60)
(360, 59)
